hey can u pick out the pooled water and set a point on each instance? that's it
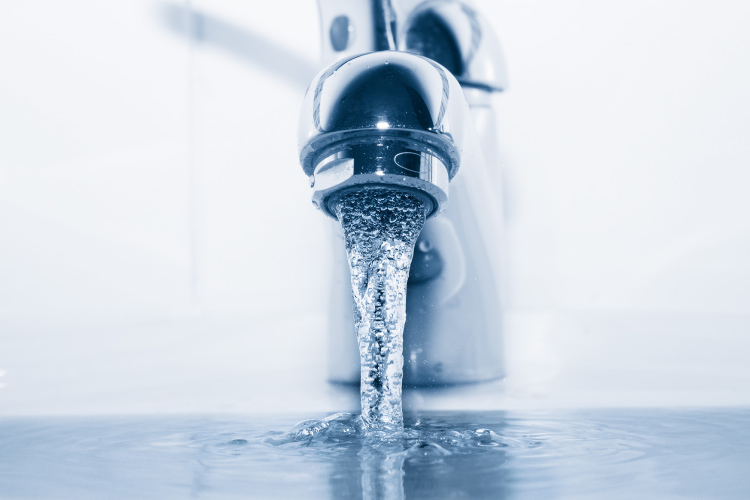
(597, 454)
(380, 227)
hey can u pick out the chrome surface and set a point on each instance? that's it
(384, 94)
(387, 118)
(340, 33)
(358, 119)
(361, 26)
(382, 162)
(450, 32)
(455, 35)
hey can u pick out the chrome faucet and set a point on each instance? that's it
(405, 102)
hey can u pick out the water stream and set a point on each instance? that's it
(380, 227)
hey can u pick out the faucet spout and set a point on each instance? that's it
(383, 119)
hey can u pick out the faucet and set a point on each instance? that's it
(405, 103)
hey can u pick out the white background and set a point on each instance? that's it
(625, 178)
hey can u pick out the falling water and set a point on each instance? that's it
(380, 227)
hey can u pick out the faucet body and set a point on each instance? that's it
(400, 119)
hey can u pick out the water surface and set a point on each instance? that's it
(659, 454)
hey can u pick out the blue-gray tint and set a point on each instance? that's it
(341, 30)
(659, 454)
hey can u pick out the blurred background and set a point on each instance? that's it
(159, 252)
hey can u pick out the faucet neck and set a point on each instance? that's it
(450, 32)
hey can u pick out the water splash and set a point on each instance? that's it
(429, 437)
(384, 459)
(380, 227)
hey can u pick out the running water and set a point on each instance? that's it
(380, 227)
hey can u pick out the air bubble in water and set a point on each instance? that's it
(381, 227)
